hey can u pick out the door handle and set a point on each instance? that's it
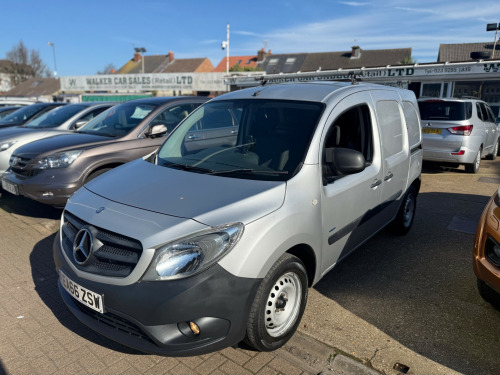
(388, 177)
(194, 136)
(376, 183)
(234, 131)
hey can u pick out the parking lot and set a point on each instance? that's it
(408, 300)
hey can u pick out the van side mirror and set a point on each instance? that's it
(343, 161)
(157, 131)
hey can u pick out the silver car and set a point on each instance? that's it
(458, 131)
(65, 118)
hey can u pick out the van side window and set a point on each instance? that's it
(412, 124)
(352, 129)
(391, 126)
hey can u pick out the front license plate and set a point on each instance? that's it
(431, 131)
(83, 295)
(10, 187)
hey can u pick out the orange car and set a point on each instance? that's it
(487, 252)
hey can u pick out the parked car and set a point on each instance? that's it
(51, 169)
(27, 114)
(192, 249)
(487, 252)
(458, 131)
(4, 111)
(61, 119)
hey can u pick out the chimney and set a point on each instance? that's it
(356, 52)
(261, 55)
(137, 57)
(170, 56)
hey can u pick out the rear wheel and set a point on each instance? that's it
(278, 305)
(404, 219)
(488, 294)
(474, 166)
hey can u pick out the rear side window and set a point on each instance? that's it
(412, 123)
(446, 111)
(391, 126)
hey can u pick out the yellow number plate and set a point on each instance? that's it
(431, 131)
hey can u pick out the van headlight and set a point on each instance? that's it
(59, 160)
(194, 253)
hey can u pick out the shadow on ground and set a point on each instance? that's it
(420, 289)
(27, 207)
(45, 279)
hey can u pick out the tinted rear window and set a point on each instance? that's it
(441, 110)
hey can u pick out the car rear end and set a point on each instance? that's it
(451, 132)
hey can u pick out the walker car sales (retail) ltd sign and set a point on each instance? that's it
(145, 82)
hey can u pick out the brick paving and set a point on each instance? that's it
(39, 335)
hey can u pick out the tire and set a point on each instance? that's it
(474, 167)
(494, 153)
(488, 294)
(96, 174)
(406, 214)
(278, 305)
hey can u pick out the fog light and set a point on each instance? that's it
(48, 194)
(496, 251)
(194, 328)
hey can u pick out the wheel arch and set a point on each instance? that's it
(100, 168)
(306, 254)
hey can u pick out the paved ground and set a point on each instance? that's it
(358, 318)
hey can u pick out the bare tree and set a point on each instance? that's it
(25, 64)
(108, 69)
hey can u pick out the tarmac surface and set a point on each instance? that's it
(404, 305)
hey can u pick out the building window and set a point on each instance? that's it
(290, 60)
(273, 61)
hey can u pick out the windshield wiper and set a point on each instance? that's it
(249, 171)
(185, 167)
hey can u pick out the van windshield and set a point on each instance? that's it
(443, 110)
(253, 139)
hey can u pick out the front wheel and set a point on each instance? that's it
(278, 305)
(494, 153)
(488, 294)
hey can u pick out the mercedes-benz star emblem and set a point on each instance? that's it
(82, 246)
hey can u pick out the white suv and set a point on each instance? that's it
(458, 131)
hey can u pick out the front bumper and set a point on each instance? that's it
(48, 188)
(153, 316)
(488, 232)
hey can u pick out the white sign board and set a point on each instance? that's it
(145, 82)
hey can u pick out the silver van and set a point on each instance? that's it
(193, 249)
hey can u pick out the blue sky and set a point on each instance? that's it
(88, 35)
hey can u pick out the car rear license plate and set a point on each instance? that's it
(83, 295)
(431, 131)
(10, 187)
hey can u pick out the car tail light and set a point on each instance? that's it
(461, 130)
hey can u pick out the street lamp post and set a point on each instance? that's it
(225, 45)
(54, 52)
(493, 27)
(141, 50)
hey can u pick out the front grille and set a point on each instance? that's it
(18, 165)
(114, 321)
(112, 254)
